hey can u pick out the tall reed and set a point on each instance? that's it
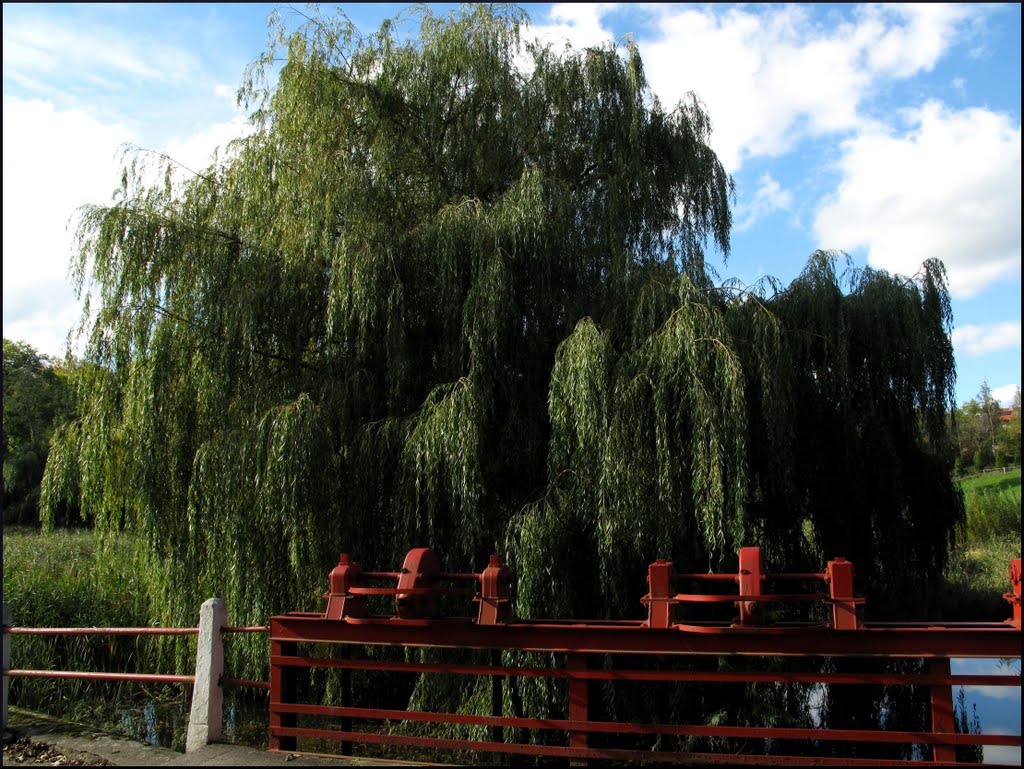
(64, 579)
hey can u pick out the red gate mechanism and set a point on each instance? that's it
(418, 592)
(664, 604)
(594, 651)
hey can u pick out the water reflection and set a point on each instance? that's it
(164, 722)
(998, 707)
(154, 721)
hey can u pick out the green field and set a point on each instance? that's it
(993, 506)
(994, 482)
(977, 574)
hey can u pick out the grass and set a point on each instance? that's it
(65, 579)
(976, 578)
(978, 573)
(993, 482)
(993, 506)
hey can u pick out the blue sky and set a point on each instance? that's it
(890, 132)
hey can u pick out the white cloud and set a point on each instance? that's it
(977, 340)
(1001, 754)
(767, 199)
(37, 45)
(229, 94)
(1005, 396)
(948, 188)
(196, 151)
(772, 78)
(53, 162)
(577, 23)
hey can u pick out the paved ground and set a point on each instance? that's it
(40, 740)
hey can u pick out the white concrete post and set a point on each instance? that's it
(206, 720)
(6, 657)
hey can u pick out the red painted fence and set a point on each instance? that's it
(601, 651)
(606, 651)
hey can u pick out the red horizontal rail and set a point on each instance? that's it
(910, 679)
(792, 577)
(410, 591)
(710, 577)
(398, 574)
(247, 629)
(927, 642)
(614, 727)
(614, 754)
(90, 676)
(768, 597)
(245, 683)
(795, 576)
(55, 631)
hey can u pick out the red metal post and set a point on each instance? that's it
(659, 599)
(340, 603)
(1014, 597)
(579, 710)
(750, 580)
(943, 720)
(497, 701)
(421, 569)
(282, 691)
(495, 594)
(839, 576)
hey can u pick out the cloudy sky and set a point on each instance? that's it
(892, 133)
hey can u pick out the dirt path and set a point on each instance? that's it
(23, 751)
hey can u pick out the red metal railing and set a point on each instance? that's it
(586, 647)
(102, 676)
(127, 631)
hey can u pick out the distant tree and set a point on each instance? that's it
(1008, 435)
(37, 397)
(983, 438)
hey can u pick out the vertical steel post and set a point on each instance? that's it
(282, 690)
(497, 708)
(346, 698)
(1014, 597)
(579, 709)
(839, 576)
(660, 607)
(943, 719)
(750, 579)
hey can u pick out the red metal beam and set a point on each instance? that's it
(619, 755)
(90, 676)
(245, 683)
(887, 642)
(613, 727)
(55, 631)
(910, 679)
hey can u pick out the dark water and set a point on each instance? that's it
(998, 707)
(164, 722)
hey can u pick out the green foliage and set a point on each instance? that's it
(993, 506)
(67, 579)
(984, 439)
(976, 579)
(435, 299)
(37, 398)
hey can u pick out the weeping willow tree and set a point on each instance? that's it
(452, 291)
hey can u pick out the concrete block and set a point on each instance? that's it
(206, 720)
